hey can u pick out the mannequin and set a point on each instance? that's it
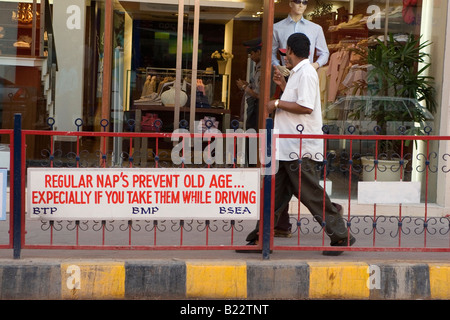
(295, 22)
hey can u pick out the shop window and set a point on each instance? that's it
(357, 95)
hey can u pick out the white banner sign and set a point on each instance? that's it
(146, 194)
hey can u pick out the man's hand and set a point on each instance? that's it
(270, 106)
(241, 84)
(284, 71)
(278, 77)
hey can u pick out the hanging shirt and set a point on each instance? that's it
(284, 28)
(338, 63)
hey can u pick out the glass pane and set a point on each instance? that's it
(381, 77)
(23, 51)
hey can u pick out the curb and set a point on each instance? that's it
(162, 279)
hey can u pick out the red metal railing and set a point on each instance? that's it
(419, 226)
(374, 231)
(159, 239)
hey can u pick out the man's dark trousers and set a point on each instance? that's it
(311, 195)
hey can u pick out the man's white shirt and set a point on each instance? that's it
(303, 88)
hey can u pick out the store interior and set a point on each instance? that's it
(226, 25)
(145, 55)
(145, 33)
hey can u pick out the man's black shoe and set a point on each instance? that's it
(340, 243)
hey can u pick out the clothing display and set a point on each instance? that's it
(347, 69)
(150, 122)
(356, 75)
(345, 76)
(158, 83)
(409, 11)
(338, 62)
(357, 22)
(152, 98)
(149, 86)
(323, 85)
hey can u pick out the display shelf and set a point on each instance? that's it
(19, 29)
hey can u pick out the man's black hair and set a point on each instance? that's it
(299, 44)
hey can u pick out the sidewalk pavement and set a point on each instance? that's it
(203, 274)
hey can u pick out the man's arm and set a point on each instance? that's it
(292, 107)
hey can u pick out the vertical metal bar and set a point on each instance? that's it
(266, 61)
(23, 148)
(77, 231)
(42, 30)
(267, 212)
(386, 22)
(52, 147)
(11, 182)
(400, 205)
(209, 153)
(264, 151)
(107, 64)
(182, 151)
(156, 153)
(103, 232)
(324, 192)
(207, 231)
(107, 60)
(194, 63)
(33, 28)
(234, 151)
(350, 172)
(17, 200)
(104, 123)
(181, 232)
(178, 70)
(299, 198)
(425, 221)
(232, 223)
(130, 153)
(130, 223)
(155, 226)
(77, 158)
(375, 205)
(52, 228)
